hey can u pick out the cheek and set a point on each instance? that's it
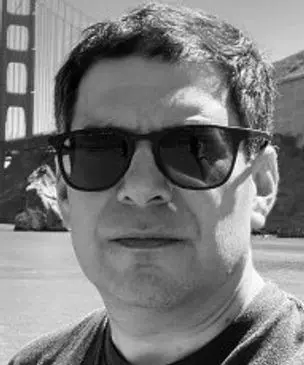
(223, 217)
(84, 217)
(233, 233)
(204, 207)
(85, 207)
(83, 210)
(234, 201)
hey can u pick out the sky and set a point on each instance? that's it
(277, 26)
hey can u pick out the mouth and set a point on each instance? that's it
(147, 242)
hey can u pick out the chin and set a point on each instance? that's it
(145, 290)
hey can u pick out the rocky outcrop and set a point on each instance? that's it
(18, 168)
(41, 211)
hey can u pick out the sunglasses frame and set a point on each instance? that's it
(238, 134)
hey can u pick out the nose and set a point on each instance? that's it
(143, 184)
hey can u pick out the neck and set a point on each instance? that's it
(147, 338)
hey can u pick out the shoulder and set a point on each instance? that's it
(286, 314)
(65, 346)
(278, 331)
(296, 320)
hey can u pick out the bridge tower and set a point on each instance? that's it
(17, 56)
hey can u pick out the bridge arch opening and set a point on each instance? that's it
(16, 78)
(15, 127)
(19, 7)
(17, 38)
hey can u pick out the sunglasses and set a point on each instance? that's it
(195, 157)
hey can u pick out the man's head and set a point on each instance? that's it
(176, 36)
(161, 68)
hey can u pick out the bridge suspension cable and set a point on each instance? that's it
(58, 27)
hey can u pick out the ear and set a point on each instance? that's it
(266, 179)
(62, 197)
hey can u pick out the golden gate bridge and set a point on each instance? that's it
(35, 37)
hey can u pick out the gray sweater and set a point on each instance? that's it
(269, 332)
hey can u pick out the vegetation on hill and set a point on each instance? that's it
(287, 216)
(290, 66)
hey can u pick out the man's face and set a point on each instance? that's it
(213, 226)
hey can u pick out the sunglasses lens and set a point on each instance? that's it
(94, 161)
(192, 158)
(197, 158)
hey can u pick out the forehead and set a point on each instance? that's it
(133, 91)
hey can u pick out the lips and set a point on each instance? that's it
(147, 242)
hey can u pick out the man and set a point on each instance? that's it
(165, 165)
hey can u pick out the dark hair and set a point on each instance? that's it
(173, 34)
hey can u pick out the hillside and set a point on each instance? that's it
(287, 217)
(289, 114)
(290, 66)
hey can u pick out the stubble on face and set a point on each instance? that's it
(146, 95)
